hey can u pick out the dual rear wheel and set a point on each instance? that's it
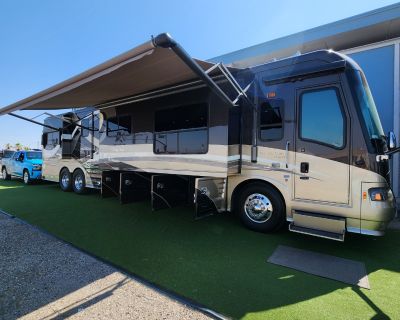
(72, 182)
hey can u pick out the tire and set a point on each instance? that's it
(26, 177)
(79, 182)
(65, 180)
(261, 208)
(5, 174)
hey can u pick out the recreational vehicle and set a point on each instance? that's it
(295, 140)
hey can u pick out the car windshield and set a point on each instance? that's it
(34, 155)
(368, 108)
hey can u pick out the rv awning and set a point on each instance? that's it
(147, 67)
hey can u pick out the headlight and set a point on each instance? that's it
(378, 194)
(37, 167)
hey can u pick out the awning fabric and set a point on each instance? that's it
(139, 70)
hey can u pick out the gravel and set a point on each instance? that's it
(44, 278)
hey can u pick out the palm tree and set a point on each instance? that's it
(18, 146)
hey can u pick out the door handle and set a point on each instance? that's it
(287, 153)
(304, 167)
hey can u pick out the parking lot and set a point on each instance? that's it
(214, 261)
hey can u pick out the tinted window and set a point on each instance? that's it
(184, 117)
(271, 120)
(182, 130)
(121, 125)
(321, 117)
(53, 138)
(8, 154)
(34, 155)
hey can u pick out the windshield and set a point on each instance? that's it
(34, 155)
(367, 106)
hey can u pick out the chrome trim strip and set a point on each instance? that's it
(366, 231)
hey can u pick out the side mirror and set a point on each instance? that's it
(392, 143)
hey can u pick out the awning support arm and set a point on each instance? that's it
(164, 40)
(33, 121)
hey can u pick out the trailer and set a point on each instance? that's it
(295, 140)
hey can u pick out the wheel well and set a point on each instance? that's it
(243, 184)
(59, 174)
(25, 169)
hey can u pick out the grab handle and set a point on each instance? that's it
(287, 153)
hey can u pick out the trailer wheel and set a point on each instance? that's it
(5, 174)
(26, 177)
(261, 208)
(65, 180)
(79, 182)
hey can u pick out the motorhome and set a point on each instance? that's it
(296, 140)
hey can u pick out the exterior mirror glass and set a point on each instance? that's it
(392, 143)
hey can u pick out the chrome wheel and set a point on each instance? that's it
(4, 173)
(258, 208)
(65, 180)
(26, 177)
(78, 182)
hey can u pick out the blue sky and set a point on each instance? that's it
(45, 42)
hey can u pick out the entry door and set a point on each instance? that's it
(322, 146)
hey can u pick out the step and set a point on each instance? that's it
(318, 221)
(317, 233)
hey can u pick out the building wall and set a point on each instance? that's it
(378, 66)
(381, 65)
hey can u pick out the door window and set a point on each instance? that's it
(321, 117)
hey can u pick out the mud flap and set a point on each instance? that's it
(168, 191)
(210, 196)
(110, 181)
(134, 186)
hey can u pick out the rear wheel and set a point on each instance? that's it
(79, 182)
(26, 177)
(65, 180)
(5, 174)
(261, 208)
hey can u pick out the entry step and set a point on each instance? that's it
(317, 233)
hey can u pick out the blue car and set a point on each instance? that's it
(23, 164)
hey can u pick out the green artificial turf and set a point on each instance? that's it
(215, 261)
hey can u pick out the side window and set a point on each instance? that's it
(321, 117)
(51, 139)
(271, 120)
(121, 125)
(85, 123)
(182, 130)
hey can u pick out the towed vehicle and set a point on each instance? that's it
(22, 164)
(297, 140)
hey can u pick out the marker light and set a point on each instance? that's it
(378, 194)
(364, 195)
(271, 94)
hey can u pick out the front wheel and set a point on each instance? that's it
(26, 177)
(261, 208)
(79, 182)
(5, 174)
